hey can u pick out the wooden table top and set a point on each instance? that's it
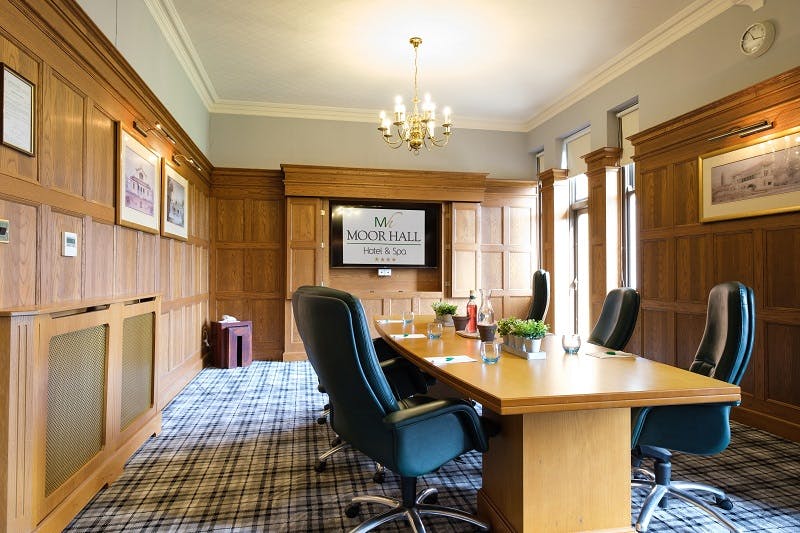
(561, 382)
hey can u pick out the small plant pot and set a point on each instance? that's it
(487, 331)
(532, 345)
(445, 320)
(516, 342)
(460, 322)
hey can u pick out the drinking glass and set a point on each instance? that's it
(408, 318)
(435, 330)
(490, 352)
(571, 343)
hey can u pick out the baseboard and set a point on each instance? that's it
(295, 356)
(171, 383)
(777, 426)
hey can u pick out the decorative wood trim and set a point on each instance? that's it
(344, 182)
(556, 244)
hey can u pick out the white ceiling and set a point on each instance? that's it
(503, 64)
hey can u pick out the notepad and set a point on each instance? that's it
(439, 361)
(401, 336)
(610, 354)
(390, 321)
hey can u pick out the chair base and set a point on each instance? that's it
(659, 492)
(411, 513)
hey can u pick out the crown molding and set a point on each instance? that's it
(682, 23)
(370, 116)
(173, 30)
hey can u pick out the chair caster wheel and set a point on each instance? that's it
(352, 510)
(322, 420)
(723, 503)
(335, 442)
(320, 466)
(379, 477)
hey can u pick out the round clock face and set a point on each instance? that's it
(757, 38)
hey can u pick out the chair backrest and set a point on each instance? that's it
(334, 331)
(541, 295)
(617, 319)
(727, 343)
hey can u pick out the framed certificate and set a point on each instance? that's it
(17, 111)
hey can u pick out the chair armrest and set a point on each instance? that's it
(429, 410)
(404, 378)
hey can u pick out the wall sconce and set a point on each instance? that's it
(744, 131)
(189, 160)
(158, 127)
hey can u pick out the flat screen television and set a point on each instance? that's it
(381, 234)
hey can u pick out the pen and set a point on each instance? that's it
(449, 358)
(611, 353)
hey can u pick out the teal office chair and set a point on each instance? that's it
(701, 429)
(541, 295)
(617, 319)
(411, 437)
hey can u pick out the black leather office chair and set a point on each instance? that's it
(541, 295)
(617, 319)
(410, 437)
(702, 429)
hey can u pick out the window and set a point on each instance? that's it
(574, 147)
(628, 125)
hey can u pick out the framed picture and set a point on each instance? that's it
(751, 179)
(139, 185)
(175, 204)
(17, 110)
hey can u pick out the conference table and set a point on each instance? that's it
(562, 459)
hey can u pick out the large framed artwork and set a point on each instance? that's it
(17, 110)
(139, 185)
(175, 205)
(752, 179)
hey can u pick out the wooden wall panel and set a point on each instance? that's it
(62, 281)
(761, 252)
(492, 268)
(783, 367)
(98, 248)
(62, 136)
(491, 224)
(249, 257)
(18, 256)
(658, 332)
(148, 263)
(733, 253)
(100, 161)
(782, 254)
(12, 162)
(126, 247)
(654, 199)
(693, 268)
(466, 265)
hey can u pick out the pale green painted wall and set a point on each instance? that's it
(701, 67)
(129, 25)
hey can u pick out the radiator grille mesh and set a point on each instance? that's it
(137, 367)
(75, 402)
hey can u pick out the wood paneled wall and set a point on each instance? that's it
(248, 256)
(85, 91)
(556, 247)
(681, 259)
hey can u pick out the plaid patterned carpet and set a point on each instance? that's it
(237, 447)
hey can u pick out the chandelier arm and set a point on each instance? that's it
(440, 142)
(394, 144)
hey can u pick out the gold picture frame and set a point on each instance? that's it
(175, 205)
(138, 184)
(18, 110)
(756, 178)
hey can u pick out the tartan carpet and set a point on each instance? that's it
(237, 447)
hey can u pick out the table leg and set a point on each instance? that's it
(559, 471)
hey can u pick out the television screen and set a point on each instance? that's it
(384, 234)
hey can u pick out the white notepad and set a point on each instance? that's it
(401, 336)
(611, 354)
(439, 361)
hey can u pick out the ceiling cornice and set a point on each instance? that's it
(682, 23)
(173, 30)
(687, 20)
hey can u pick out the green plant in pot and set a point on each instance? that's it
(532, 331)
(506, 325)
(444, 312)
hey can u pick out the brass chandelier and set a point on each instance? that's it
(417, 129)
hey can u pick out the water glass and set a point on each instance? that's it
(571, 343)
(490, 352)
(435, 330)
(408, 318)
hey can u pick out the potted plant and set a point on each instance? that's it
(532, 331)
(444, 312)
(505, 326)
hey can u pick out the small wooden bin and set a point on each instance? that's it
(232, 343)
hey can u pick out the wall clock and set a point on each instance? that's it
(757, 38)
